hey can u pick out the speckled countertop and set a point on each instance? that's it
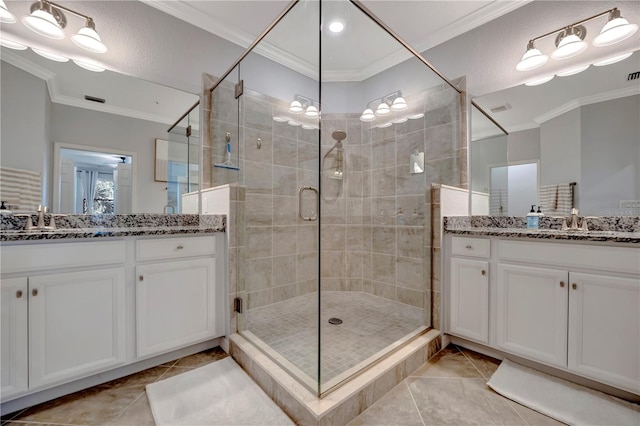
(604, 229)
(98, 226)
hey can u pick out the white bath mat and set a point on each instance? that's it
(562, 400)
(220, 393)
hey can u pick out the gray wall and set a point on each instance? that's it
(24, 138)
(560, 149)
(524, 146)
(113, 132)
(610, 166)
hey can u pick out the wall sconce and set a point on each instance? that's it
(570, 39)
(48, 20)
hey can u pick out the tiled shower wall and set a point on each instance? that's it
(376, 222)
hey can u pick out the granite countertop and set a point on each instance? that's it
(609, 229)
(551, 234)
(79, 226)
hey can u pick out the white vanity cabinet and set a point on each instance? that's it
(177, 300)
(73, 321)
(14, 333)
(573, 306)
(469, 289)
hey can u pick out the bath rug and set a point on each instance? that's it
(562, 400)
(220, 393)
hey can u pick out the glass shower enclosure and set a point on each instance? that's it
(333, 140)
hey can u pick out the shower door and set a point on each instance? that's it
(279, 218)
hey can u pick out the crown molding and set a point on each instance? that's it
(588, 100)
(17, 61)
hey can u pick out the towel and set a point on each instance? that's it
(21, 189)
(556, 200)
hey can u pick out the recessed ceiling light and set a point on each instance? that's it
(336, 26)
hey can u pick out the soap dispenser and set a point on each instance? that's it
(532, 218)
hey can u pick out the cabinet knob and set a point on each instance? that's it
(19, 294)
(562, 284)
(34, 292)
(468, 246)
(484, 272)
(141, 278)
(574, 286)
(180, 247)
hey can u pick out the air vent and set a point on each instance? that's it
(94, 99)
(500, 108)
(633, 76)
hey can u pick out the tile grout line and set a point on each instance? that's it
(471, 362)
(46, 423)
(415, 404)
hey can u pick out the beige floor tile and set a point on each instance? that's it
(201, 358)
(395, 408)
(138, 414)
(446, 401)
(449, 362)
(97, 405)
(20, 423)
(485, 364)
(533, 418)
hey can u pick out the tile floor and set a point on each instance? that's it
(449, 389)
(370, 324)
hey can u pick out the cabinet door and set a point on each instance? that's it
(532, 312)
(604, 329)
(13, 331)
(175, 305)
(76, 324)
(469, 299)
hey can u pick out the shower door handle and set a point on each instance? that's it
(300, 198)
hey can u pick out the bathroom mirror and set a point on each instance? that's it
(581, 128)
(46, 102)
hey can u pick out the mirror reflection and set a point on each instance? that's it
(580, 129)
(97, 118)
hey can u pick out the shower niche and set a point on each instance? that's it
(331, 246)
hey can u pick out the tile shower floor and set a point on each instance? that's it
(449, 389)
(369, 324)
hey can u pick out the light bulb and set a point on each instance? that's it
(88, 39)
(383, 109)
(531, 59)
(569, 46)
(44, 23)
(295, 107)
(6, 16)
(615, 30)
(336, 27)
(399, 104)
(367, 115)
(311, 112)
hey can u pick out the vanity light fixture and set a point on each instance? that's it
(616, 29)
(383, 110)
(311, 112)
(570, 39)
(295, 107)
(367, 115)
(48, 20)
(399, 104)
(393, 103)
(6, 16)
(12, 44)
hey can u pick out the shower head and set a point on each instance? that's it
(339, 135)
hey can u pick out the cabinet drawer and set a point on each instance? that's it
(474, 247)
(38, 257)
(606, 258)
(170, 248)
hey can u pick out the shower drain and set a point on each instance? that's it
(335, 321)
